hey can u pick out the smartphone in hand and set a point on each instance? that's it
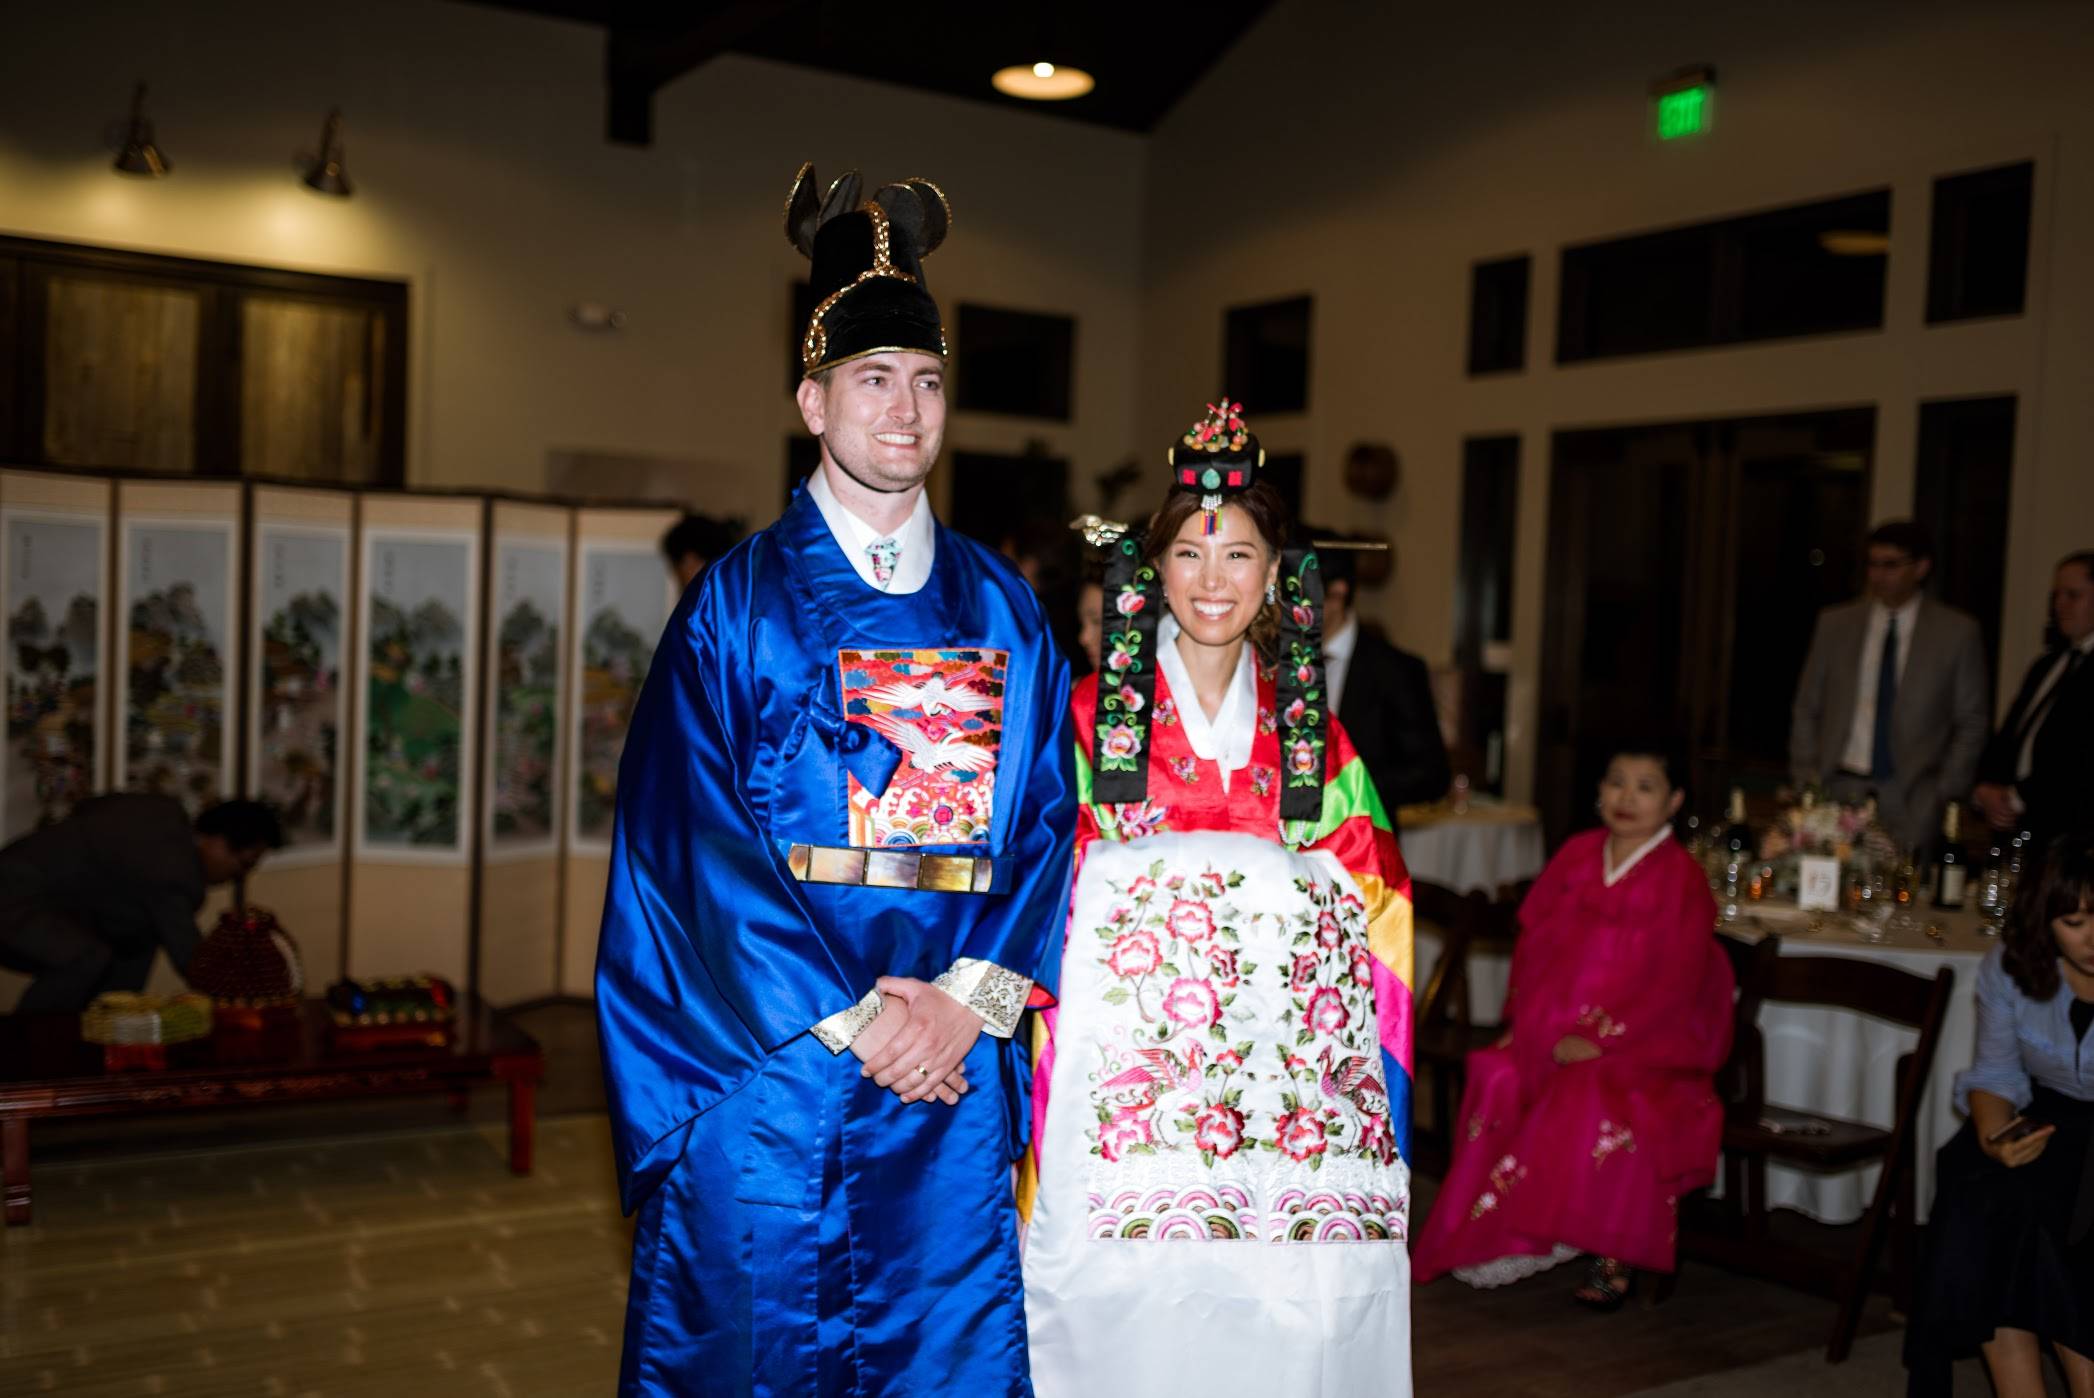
(2017, 1129)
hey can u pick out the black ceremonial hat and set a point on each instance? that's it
(870, 296)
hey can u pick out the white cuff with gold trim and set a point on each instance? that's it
(995, 994)
(839, 1030)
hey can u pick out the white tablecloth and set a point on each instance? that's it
(1828, 1060)
(1844, 1064)
(1483, 848)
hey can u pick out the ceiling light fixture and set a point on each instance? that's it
(138, 155)
(323, 172)
(1042, 82)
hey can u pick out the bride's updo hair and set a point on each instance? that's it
(1275, 524)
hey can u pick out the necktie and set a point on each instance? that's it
(1880, 765)
(883, 553)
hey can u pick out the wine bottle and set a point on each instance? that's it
(1951, 871)
(1737, 838)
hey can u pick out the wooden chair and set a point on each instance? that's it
(1757, 1131)
(1444, 1031)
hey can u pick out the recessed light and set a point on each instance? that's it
(1042, 82)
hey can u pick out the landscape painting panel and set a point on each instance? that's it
(303, 581)
(177, 584)
(54, 608)
(625, 603)
(530, 582)
(420, 591)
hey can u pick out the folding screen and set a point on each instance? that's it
(623, 596)
(178, 642)
(54, 594)
(297, 709)
(416, 665)
(526, 723)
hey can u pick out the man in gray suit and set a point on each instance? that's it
(1893, 698)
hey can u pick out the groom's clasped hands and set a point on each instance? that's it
(917, 1044)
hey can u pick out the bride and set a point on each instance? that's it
(1222, 1095)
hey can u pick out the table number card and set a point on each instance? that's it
(1818, 883)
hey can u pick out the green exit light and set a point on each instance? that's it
(1684, 101)
(1683, 113)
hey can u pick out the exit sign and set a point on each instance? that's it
(1684, 103)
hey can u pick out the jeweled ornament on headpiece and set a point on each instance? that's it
(867, 267)
(1217, 457)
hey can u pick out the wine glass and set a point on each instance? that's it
(1903, 894)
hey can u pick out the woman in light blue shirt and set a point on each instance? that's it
(2009, 1260)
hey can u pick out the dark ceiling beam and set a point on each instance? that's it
(639, 62)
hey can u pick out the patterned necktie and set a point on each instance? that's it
(1880, 764)
(883, 553)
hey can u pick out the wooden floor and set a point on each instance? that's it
(341, 1253)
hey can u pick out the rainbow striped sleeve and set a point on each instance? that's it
(1357, 831)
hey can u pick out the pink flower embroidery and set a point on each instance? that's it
(1299, 1135)
(1304, 674)
(1211, 884)
(1326, 1013)
(1302, 758)
(1190, 921)
(1268, 721)
(1128, 1128)
(1362, 967)
(1130, 698)
(1129, 602)
(1118, 660)
(1136, 954)
(1222, 961)
(1166, 712)
(1377, 1139)
(1121, 742)
(1219, 1128)
(1143, 887)
(1303, 974)
(1303, 617)
(1185, 770)
(1261, 781)
(1229, 1058)
(1351, 904)
(1139, 820)
(1295, 711)
(1192, 1002)
(1329, 931)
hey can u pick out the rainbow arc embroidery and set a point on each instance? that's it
(944, 710)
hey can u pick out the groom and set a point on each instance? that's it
(845, 813)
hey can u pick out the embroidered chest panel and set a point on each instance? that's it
(944, 710)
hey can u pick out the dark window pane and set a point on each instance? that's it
(1265, 359)
(1015, 362)
(1490, 486)
(802, 312)
(1811, 269)
(999, 499)
(1966, 463)
(1978, 263)
(1498, 315)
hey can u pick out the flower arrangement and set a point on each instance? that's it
(1827, 828)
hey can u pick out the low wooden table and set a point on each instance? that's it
(47, 1070)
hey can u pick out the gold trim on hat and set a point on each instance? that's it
(816, 340)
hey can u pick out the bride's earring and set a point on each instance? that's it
(1272, 593)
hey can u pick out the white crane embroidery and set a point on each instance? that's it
(928, 754)
(933, 696)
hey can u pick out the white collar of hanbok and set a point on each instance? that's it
(1224, 740)
(918, 540)
(1610, 876)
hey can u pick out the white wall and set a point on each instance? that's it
(475, 140)
(1372, 153)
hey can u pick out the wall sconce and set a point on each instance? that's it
(323, 172)
(137, 155)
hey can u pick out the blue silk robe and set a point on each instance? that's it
(801, 1231)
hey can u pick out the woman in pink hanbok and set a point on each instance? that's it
(1581, 1129)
